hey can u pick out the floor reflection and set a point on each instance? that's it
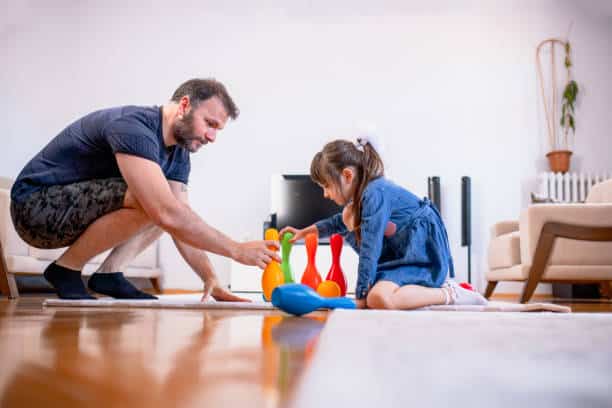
(142, 357)
(288, 344)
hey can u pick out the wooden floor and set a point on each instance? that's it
(156, 358)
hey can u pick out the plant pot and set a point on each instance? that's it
(559, 160)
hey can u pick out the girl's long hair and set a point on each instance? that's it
(327, 166)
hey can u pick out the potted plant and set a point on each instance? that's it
(559, 154)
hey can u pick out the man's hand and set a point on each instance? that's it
(212, 288)
(257, 253)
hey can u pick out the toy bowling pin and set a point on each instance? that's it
(311, 276)
(329, 289)
(272, 275)
(285, 265)
(335, 272)
(300, 299)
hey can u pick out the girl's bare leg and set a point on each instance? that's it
(388, 295)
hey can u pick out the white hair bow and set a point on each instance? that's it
(365, 136)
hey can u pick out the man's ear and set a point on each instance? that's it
(184, 105)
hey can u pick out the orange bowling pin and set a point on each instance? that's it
(311, 276)
(335, 272)
(273, 274)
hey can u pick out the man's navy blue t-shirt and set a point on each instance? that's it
(86, 149)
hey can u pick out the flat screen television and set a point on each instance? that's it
(298, 201)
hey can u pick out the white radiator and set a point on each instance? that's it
(569, 187)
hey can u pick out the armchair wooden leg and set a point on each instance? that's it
(490, 288)
(550, 231)
(5, 288)
(156, 285)
(605, 289)
(13, 291)
(540, 259)
(8, 286)
(528, 289)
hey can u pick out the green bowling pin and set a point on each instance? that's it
(285, 265)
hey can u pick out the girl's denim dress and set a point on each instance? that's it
(417, 253)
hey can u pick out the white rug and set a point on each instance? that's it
(426, 359)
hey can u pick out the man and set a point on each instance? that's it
(117, 178)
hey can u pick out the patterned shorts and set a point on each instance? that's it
(56, 216)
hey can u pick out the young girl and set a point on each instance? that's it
(404, 256)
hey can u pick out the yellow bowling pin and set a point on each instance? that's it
(273, 274)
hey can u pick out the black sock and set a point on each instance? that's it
(114, 284)
(67, 282)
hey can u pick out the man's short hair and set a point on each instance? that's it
(200, 90)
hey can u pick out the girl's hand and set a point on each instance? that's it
(297, 234)
(361, 303)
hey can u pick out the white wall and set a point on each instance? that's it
(451, 86)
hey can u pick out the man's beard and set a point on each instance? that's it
(184, 134)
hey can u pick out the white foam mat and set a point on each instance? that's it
(193, 302)
(169, 302)
(502, 307)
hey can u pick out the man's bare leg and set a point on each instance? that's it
(104, 233)
(123, 253)
(109, 279)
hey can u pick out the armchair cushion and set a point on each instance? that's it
(566, 251)
(11, 243)
(504, 227)
(514, 273)
(146, 259)
(601, 193)
(505, 251)
(33, 266)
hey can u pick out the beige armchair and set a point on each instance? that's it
(569, 243)
(17, 257)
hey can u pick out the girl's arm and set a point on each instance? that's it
(323, 228)
(331, 225)
(375, 215)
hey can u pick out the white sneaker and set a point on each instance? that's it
(461, 296)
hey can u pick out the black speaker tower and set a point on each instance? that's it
(466, 220)
(433, 192)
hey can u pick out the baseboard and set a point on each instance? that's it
(516, 296)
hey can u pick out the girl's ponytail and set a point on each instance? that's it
(372, 168)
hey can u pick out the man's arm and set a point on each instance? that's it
(197, 258)
(147, 184)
